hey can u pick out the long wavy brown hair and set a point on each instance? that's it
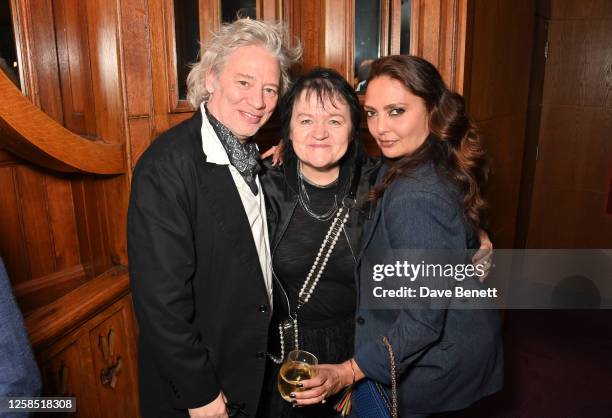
(453, 144)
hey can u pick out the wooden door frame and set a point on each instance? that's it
(440, 33)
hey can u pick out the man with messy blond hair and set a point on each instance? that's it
(198, 244)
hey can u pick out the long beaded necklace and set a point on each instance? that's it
(312, 279)
(316, 271)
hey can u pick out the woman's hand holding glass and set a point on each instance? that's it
(298, 367)
(330, 379)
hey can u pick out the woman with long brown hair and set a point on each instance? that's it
(428, 196)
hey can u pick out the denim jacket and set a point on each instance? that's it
(446, 358)
(19, 375)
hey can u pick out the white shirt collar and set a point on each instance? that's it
(211, 145)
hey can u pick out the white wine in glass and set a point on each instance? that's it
(299, 366)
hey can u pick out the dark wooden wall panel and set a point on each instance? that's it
(502, 35)
(440, 34)
(501, 56)
(305, 21)
(140, 138)
(116, 199)
(43, 56)
(63, 223)
(579, 222)
(532, 129)
(572, 173)
(337, 47)
(83, 226)
(12, 245)
(576, 134)
(159, 67)
(426, 15)
(96, 213)
(138, 77)
(586, 79)
(570, 190)
(106, 68)
(39, 243)
(35, 216)
(136, 56)
(74, 68)
(576, 9)
(503, 136)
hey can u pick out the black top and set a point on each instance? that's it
(334, 296)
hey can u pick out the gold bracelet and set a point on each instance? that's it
(353, 370)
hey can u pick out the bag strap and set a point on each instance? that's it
(393, 369)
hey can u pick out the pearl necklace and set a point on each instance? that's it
(312, 279)
(329, 242)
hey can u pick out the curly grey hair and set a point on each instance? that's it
(243, 32)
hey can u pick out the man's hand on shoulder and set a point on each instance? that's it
(215, 409)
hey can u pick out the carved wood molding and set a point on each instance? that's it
(57, 380)
(54, 320)
(31, 134)
(113, 363)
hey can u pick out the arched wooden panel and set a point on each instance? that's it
(33, 135)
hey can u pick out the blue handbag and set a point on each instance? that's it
(369, 398)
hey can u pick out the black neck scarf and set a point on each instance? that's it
(243, 156)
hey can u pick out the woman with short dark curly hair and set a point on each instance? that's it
(323, 182)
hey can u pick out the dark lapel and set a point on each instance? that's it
(226, 206)
(374, 217)
(370, 227)
(221, 193)
(368, 232)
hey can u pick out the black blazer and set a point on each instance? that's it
(196, 281)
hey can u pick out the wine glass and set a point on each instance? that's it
(300, 365)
